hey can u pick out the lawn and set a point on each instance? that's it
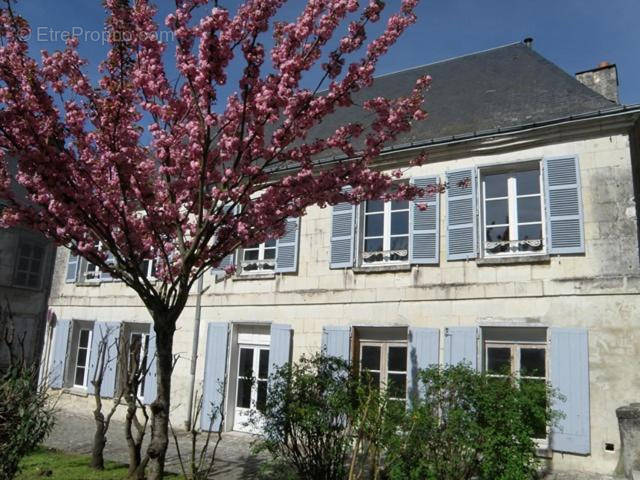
(56, 465)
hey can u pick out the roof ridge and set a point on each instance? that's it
(450, 59)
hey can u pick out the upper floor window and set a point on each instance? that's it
(259, 258)
(386, 232)
(29, 264)
(512, 211)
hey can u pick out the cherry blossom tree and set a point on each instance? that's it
(137, 166)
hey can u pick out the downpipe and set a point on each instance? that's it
(194, 351)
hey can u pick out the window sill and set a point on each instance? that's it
(404, 267)
(542, 258)
(544, 452)
(253, 276)
(76, 391)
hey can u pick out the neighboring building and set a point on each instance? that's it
(26, 269)
(533, 268)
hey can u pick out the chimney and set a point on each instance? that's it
(603, 80)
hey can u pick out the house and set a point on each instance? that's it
(532, 268)
(26, 270)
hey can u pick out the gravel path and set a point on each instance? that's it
(74, 433)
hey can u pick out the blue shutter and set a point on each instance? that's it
(461, 215)
(110, 333)
(214, 376)
(461, 346)
(58, 356)
(219, 271)
(280, 346)
(565, 229)
(343, 221)
(106, 276)
(72, 268)
(150, 385)
(570, 375)
(424, 351)
(424, 225)
(287, 247)
(336, 342)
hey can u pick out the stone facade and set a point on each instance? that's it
(596, 291)
(26, 264)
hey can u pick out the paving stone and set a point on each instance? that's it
(234, 460)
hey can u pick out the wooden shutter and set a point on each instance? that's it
(72, 268)
(106, 276)
(150, 380)
(214, 376)
(110, 331)
(343, 221)
(336, 342)
(569, 372)
(461, 346)
(461, 215)
(219, 271)
(280, 346)
(565, 229)
(424, 351)
(287, 247)
(58, 357)
(424, 225)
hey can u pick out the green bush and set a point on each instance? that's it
(26, 416)
(305, 420)
(470, 425)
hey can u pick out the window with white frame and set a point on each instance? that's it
(259, 258)
(386, 232)
(138, 348)
(512, 210)
(384, 365)
(29, 264)
(81, 367)
(520, 354)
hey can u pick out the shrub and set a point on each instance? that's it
(305, 421)
(470, 425)
(26, 416)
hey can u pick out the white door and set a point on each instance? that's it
(251, 394)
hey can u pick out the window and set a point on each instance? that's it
(386, 232)
(252, 388)
(385, 365)
(259, 258)
(81, 370)
(522, 355)
(139, 346)
(29, 264)
(512, 211)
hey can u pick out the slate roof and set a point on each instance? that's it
(499, 88)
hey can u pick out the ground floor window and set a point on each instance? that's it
(381, 354)
(253, 373)
(521, 354)
(139, 346)
(81, 369)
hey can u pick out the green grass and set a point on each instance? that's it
(68, 466)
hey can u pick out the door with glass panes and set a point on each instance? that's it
(251, 394)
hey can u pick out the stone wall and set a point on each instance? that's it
(597, 290)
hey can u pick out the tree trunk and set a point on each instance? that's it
(134, 443)
(99, 441)
(164, 326)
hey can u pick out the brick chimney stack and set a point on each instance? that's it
(603, 79)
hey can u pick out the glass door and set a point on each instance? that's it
(251, 393)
